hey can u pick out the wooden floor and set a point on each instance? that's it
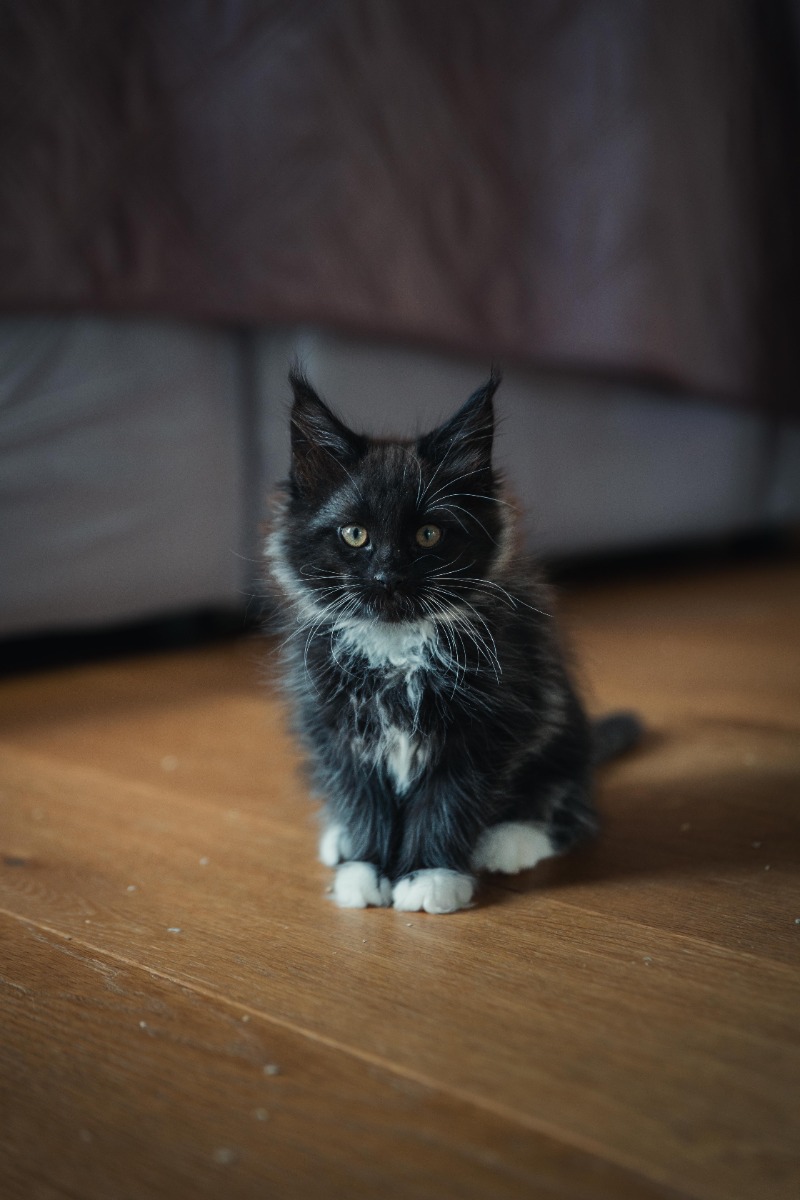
(184, 1014)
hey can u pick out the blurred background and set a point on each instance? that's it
(602, 195)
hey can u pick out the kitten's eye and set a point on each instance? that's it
(354, 535)
(428, 535)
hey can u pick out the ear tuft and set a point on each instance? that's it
(322, 445)
(464, 443)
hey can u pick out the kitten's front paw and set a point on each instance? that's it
(435, 891)
(511, 847)
(358, 885)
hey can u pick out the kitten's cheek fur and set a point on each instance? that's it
(358, 885)
(434, 891)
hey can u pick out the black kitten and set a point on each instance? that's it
(430, 689)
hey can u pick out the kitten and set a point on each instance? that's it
(428, 683)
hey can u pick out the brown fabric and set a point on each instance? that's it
(604, 185)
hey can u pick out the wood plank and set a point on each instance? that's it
(715, 646)
(116, 1083)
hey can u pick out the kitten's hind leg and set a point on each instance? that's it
(566, 818)
(512, 846)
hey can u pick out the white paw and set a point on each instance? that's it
(334, 846)
(358, 885)
(435, 891)
(511, 847)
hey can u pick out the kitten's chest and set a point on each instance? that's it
(389, 717)
(389, 728)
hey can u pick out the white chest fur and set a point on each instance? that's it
(404, 757)
(399, 654)
(406, 645)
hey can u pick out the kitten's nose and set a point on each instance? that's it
(384, 581)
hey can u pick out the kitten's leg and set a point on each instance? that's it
(355, 846)
(432, 865)
(356, 884)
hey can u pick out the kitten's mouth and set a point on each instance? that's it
(390, 606)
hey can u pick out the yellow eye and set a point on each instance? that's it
(354, 535)
(428, 535)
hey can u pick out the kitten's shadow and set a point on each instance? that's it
(712, 825)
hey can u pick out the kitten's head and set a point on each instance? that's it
(390, 530)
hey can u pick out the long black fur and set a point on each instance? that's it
(499, 730)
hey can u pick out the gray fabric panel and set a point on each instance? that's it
(783, 495)
(120, 475)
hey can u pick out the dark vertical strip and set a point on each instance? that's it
(776, 46)
(251, 500)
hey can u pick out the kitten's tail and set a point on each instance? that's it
(614, 734)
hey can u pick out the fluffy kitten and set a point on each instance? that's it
(429, 687)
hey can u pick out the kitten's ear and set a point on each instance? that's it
(322, 446)
(464, 443)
